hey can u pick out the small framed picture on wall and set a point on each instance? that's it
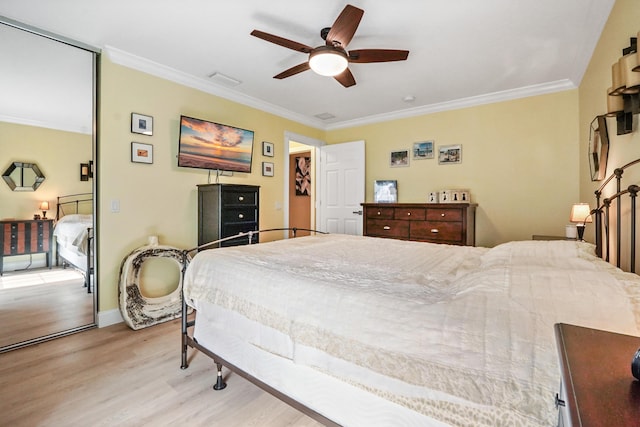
(141, 124)
(267, 169)
(267, 149)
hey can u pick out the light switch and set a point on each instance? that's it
(115, 205)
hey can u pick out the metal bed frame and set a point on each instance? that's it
(76, 200)
(603, 218)
(189, 341)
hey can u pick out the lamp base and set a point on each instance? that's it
(580, 228)
(44, 214)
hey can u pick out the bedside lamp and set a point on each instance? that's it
(44, 207)
(580, 214)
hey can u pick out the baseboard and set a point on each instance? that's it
(109, 317)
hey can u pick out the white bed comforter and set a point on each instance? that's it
(463, 335)
(71, 231)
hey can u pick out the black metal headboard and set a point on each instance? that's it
(624, 219)
(70, 204)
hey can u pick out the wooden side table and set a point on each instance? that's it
(597, 387)
(26, 237)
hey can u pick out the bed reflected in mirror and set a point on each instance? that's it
(47, 122)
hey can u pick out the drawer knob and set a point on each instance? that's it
(378, 212)
(386, 227)
(408, 213)
(442, 215)
(240, 216)
(240, 198)
(434, 230)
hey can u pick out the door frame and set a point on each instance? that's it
(315, 144)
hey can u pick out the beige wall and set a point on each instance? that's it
(623, 23)
(524, 160)
(160, 199)
(519, 160)
(57, 153)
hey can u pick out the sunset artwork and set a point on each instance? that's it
(208, 145)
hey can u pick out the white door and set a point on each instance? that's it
(341, 173)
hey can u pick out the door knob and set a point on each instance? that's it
(357, 212)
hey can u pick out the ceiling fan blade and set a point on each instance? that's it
(293, 70)
(345, 78)
(345, 27)
(377, 55)
(290, 44)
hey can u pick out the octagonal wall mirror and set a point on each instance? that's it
(21, 176)
(598, 148)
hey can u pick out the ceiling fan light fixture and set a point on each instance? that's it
(328, 61)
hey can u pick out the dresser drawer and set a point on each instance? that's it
(437, 231)
(381, 213)
(410, 214)
(454, 214)
(239, 214)
(239, 197)
(388, 228)
(234, 229)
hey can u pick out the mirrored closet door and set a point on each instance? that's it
(47, 194)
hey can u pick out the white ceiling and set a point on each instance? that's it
(462, 52)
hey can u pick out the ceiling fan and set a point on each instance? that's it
(332, 58)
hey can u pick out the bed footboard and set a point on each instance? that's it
(188, 341)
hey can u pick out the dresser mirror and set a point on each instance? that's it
(21, 176)
(47, 113)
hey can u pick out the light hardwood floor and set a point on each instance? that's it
(42, 302)
(115, 376)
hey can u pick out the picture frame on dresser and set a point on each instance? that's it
(385, 191)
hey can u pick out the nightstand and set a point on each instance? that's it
(597, 387)
(26, 237)
(542, 237)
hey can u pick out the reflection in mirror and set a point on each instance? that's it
(21, 176)
(47, 111)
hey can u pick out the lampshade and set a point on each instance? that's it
(617, 84)
(328, 61)
(44, 206)
(615, 104)
(580, 213)
(630, 78)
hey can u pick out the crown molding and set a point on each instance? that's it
(473, 101)
(66, 127)
(150, 67)
(126, 59)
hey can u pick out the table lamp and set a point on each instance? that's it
(580, 214)
(44, 207)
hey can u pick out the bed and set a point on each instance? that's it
(368, 331)
(74, 234)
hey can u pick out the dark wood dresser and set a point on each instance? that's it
(597, 387)
(226, 210)
(26, 237)
(451, 223)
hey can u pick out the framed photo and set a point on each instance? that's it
(141, 124)
(303, 176)
(385, 191)
(267, 169)
(141, 153)
(449, 154)
(267, 149)
(422, 150)
(399, 158)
